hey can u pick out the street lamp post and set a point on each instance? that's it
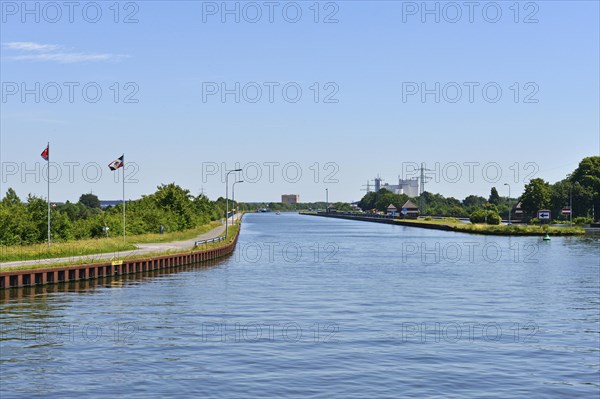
(233, 196)
(227, 197)
(509, 207)
(571, 205)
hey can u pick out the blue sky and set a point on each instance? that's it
(365, 65)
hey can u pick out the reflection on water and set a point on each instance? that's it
(319, 307)
(87, 286)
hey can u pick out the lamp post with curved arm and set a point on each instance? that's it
(509, 208)
(233, 197)
(227, 198)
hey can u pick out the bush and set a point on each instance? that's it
(478, 216)
(493, 218)
(534, 221)
(428, 218)
(582, 220)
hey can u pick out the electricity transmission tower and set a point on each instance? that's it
(368, 187)
(422, 180)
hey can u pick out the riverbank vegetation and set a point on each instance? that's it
(581, 187)
(84, 252)
(24, 223)
(77, 248)
(281, 207)
(509, 230)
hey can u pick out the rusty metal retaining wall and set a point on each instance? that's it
(63, 274)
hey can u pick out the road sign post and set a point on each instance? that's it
(544, 215)
(566, 211)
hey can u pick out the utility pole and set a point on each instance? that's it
(571, 203)
(368, 187)
(423, 179)
(509, 207)
(227, 198)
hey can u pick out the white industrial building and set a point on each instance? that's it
(409, 187)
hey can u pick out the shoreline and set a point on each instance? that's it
(40, 276)
(486, 229)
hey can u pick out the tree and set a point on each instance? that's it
(559, 197)
(381, 200)
(342, 207)
(90, 201)
(494, 197)
(474, 200)
(587, 175)
(473, 203)
(368, 202)
(537, 196)
(11, 198)
(171, 206)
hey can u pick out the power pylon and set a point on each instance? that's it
(423, 179)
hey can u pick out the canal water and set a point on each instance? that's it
(321, 308)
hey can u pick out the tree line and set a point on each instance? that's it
(171, 207)
(582, 187)
(175, 209)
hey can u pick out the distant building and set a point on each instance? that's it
(410, 187)
(412, 211)
(290, 199)
(355, 207)
(109, 203)
(392, 210)
(517, 212)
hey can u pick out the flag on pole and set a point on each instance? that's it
(46, 153)
(116, 164)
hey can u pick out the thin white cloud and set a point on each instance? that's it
(30, 46)
(30, 51)
(67, 58)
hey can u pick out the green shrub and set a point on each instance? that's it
(493, 218)
(23, 223)
(480, 216)
(477, 216)
(582, 220)
(534, 221)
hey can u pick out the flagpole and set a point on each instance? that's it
(48, 177)
(124, 198)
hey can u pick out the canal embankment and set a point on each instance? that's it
(36, 274)
(455, 225)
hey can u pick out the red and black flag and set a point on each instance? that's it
(46, 153)
(118, 163)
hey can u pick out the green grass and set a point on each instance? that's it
(95, 246)
(232, 233)
(63, 250)
(176, 236)
(509, 230)
(512, 229)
